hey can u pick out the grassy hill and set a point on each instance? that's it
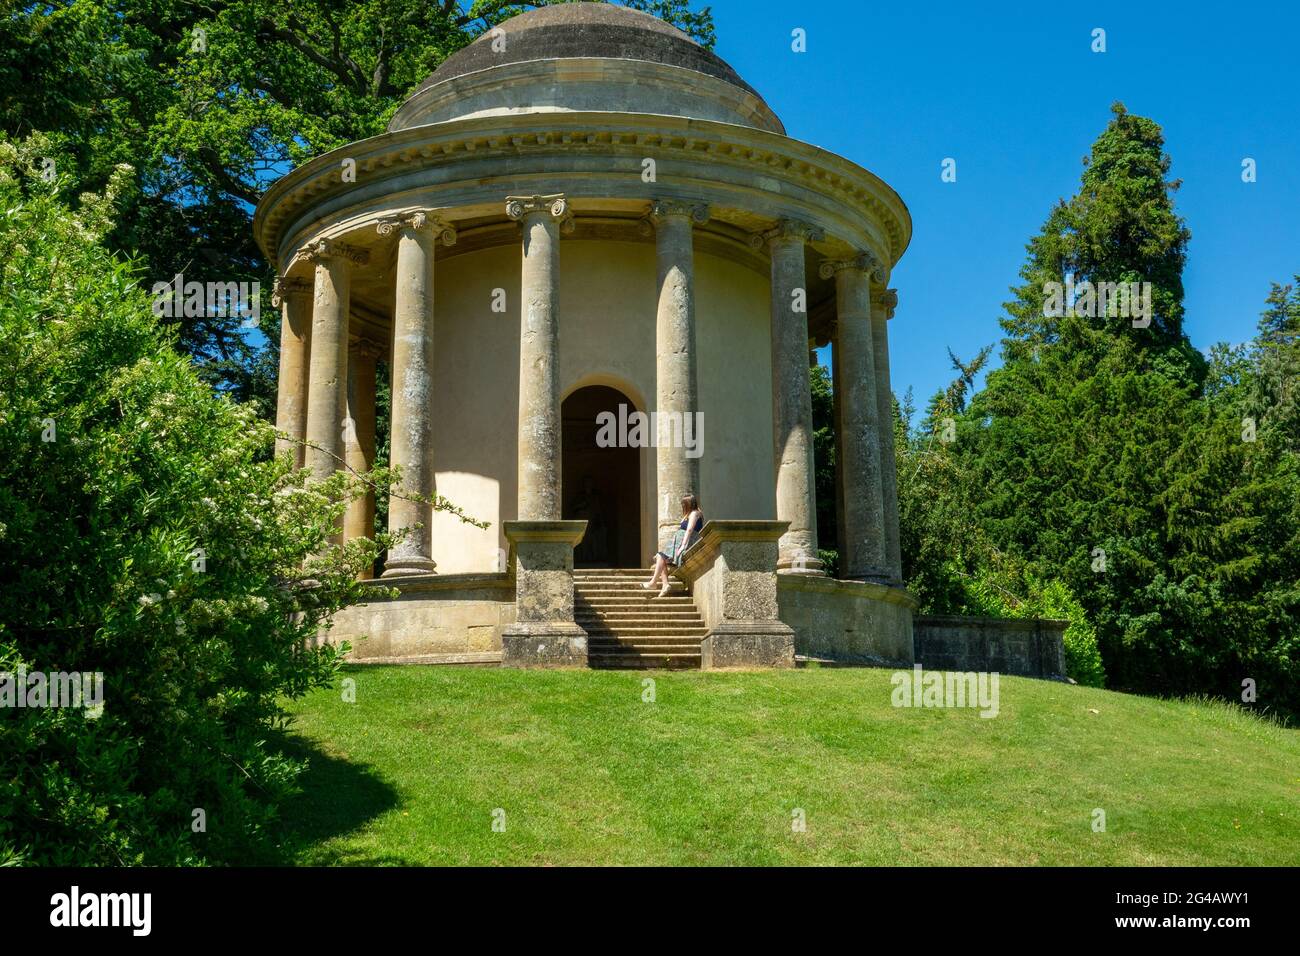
(712, 772)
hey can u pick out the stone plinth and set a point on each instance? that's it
(544, 633)
(732, 574)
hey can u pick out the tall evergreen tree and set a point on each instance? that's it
(1107, 454)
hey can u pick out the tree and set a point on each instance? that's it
(1108, 455)
(146, 534)
(209, 101)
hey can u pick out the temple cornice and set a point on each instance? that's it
(595, 159)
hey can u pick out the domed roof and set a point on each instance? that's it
(580, 30)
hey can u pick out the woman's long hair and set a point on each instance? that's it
(690, 503)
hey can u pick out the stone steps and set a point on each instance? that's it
(630, 627)
(633, 618)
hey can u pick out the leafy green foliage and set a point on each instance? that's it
(1159, 490)
(146, 533)
(824, 458)
(210, 101)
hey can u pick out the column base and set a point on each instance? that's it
(748, 644)
(797, 565)
(544, 645)
(400, 567)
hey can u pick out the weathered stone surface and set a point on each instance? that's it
(853, 622)
(359, 437)
(294, 296)
(411, 435)
(544, 633)
(792, 399)
(327, 389)
(434, 619)
(585, 30)
(1028, 647)
(747, 645)
(525, 645)
(732, 574)
(882, 310)
(539, 383)
(675, 376)
(861, 508)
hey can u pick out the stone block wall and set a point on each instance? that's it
(731, 571)
(436, 619)
(852, 622)
(1028, 647)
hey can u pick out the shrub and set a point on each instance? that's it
(146, 533)
(1033, 597)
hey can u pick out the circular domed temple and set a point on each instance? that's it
(593, 265)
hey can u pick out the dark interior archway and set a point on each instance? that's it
(601, 485)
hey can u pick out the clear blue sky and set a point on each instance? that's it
(1014, 93)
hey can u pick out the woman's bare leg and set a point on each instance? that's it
(659, 569)
(667, 581)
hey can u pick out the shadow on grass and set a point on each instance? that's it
(336, 798)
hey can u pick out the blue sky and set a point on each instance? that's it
(1013, 92)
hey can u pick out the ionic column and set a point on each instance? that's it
(883, 304)
(411, 439)
(293, 297)
(327, 386)
(676, 397)
(791, 399)
(359, 436)
(859, 440)
(539, 382)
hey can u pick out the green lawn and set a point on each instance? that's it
(713, 770)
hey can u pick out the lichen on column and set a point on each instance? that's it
(883, 304)
(676, 390)
(411, 430)
(539, 383)
(294, 299)
(792, 399)
(861, 507)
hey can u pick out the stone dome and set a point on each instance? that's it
(594, 57)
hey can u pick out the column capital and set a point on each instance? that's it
(788, 230)
(865, 262)
(556, 205)
(286, 287)
(319, 250)
(661, 209)
(419, 221)
(886, 300)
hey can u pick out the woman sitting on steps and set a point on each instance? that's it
(683, 538)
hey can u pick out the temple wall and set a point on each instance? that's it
(607, 337)
(1028, 647)
(847, 621)
(453, 620)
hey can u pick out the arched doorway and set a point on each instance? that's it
(601, 485)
